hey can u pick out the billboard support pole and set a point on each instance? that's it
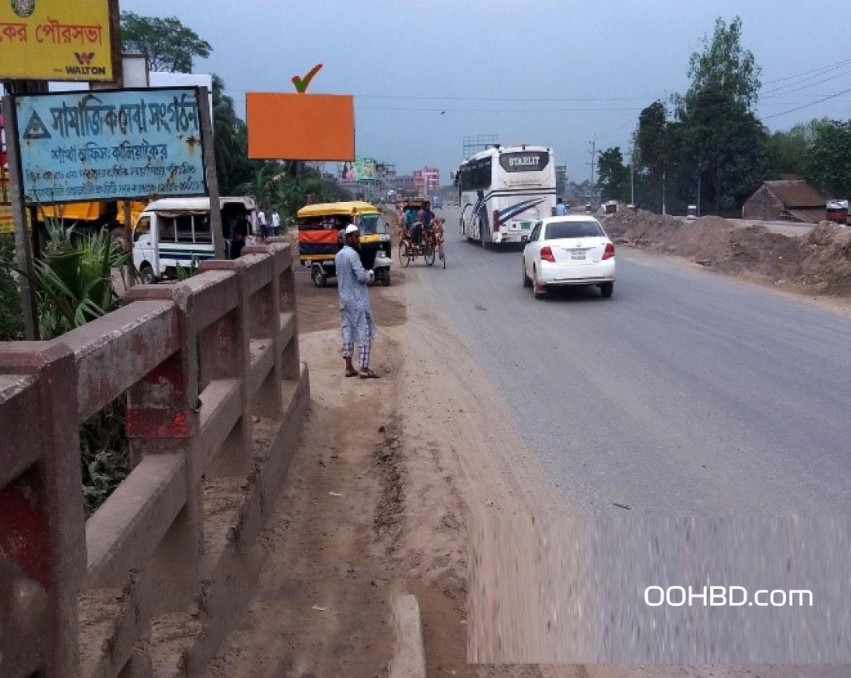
(210, 169)
(23, 254)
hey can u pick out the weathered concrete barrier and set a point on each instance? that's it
(150, 582)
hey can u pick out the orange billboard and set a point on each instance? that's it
(300, 126)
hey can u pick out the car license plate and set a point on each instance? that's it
(577, 255)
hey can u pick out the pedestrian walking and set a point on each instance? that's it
(356, 323)
(264, 225)
(276, 223)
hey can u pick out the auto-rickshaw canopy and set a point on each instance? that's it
(319, 227)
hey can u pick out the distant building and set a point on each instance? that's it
(427, 181)
(786, 200)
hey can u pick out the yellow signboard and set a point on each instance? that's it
(55, 40)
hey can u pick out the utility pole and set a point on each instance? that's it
(632, 174)
(593, 152)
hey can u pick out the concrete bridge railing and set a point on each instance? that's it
(205, 365)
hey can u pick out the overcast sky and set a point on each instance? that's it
(427, 73)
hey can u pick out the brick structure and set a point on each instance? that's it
(787, 200)
(199, 361)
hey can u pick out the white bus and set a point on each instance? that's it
(502, 192)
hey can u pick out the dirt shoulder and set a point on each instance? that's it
(378, 496)
(816, 263)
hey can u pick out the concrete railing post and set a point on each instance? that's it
(290, 358)
(264, 324)
(42, 537)
(226, 355)
(163, 417)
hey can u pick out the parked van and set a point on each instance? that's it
(174, 232)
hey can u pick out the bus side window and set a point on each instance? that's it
(143, 226)
(202, 228)
(184, 228)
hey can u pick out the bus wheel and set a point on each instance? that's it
(146, 275)
(319, 277)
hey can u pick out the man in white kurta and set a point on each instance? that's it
(355, 313)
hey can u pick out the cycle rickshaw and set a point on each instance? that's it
(431, 244)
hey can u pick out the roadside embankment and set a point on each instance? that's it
(816, 263)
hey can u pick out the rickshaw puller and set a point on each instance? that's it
(357, 326)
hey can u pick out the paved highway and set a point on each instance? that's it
(686, 392)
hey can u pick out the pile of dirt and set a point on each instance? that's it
(818, 262)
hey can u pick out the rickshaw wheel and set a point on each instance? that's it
(404, 254)
(442, 255)
(385, 279)
(319, 278)
(428, 254)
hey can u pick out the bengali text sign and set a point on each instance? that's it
(110, 145)
(56, 40)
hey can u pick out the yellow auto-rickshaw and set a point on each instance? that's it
(320, 229)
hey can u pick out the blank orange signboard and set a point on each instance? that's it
(300, 126)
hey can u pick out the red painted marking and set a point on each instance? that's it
(24, 536)
(145, 423)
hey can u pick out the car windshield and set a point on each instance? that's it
(574, 229)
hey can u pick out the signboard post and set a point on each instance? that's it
(19, 217)
(212, 178)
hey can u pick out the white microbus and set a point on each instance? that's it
(174, 232)
(503, 191)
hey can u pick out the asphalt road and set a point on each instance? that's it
(685, 393)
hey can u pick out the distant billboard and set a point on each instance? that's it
(300, 126)
(56, 40)
(78, 146)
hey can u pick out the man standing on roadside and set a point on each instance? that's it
(264, 226)
(356, 321)
(276, 223)
(560, 208)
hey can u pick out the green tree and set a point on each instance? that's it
(786, 152)
(828, 162)
(720, 130)
(230, 139)
(168, 44)
(655, 143)
(11, 318)
(613, 175)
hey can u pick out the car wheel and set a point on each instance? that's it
(607, 289)
(319, 277)
(538, 291)
(526, 281)
(146, 275)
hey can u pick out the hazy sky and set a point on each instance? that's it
(560, 73)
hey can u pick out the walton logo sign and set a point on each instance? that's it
(84, 58)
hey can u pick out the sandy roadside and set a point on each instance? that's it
(379, 499)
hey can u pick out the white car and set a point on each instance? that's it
(570, 250)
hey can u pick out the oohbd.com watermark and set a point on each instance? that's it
(725, 596)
